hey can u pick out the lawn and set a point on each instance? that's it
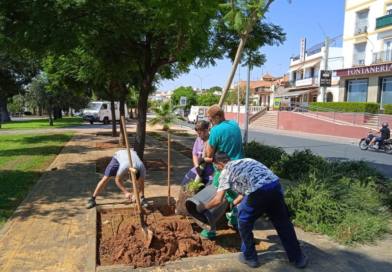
(43, 123)
(23, 158)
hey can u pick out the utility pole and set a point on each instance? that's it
(326, 52)
(245, 140)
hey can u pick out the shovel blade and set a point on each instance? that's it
(148, 235)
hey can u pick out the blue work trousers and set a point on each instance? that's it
(267, 201)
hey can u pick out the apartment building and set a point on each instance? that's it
(367, 48)
(304, 74)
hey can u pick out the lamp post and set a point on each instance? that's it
(201, 81)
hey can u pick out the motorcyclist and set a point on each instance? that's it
(385, 134)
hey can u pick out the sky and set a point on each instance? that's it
(300, 18)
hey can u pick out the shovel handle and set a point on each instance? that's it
(133, 177)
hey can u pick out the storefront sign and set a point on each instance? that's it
(277, 101)
(325, 78)
(302, 50)
(365, 70)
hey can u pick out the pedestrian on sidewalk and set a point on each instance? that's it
(225, 136)
(119, 168)
(259, 192)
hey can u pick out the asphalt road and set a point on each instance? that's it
(333, 149)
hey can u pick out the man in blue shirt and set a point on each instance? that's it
(259, 192)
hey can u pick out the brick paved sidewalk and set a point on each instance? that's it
(52, 230)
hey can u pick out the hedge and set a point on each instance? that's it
(388, 109)
(345, 106)
(346, 200)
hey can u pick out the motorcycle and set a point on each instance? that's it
(385, 146)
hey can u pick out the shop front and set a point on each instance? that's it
(366, 84)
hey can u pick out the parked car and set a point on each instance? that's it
(99, 111)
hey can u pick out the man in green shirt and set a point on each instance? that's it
(225, 136)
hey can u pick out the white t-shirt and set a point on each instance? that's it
(122, 157)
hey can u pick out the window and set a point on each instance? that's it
(361, 22)
(359, 54)
(387, 54)
(386, 91)
(104, 106)
(357, 90)
(389, 9)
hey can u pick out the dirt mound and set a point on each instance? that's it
(173, 239)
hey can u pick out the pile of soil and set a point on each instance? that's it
(174, 238)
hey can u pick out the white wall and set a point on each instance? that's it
(374, 41)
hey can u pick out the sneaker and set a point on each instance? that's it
(302, 263)
(251, 263)
(143, 202)
(205, 234)
(91, 203)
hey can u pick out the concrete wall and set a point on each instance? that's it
(298, 122)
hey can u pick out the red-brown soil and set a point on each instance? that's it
(122, 240)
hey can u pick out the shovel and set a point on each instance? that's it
(148, 234)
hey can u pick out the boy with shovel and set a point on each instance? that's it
(118, 168)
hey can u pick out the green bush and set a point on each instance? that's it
(265, 154)
(345, 106)
(297, 165)
(388, 109)
(347, 201)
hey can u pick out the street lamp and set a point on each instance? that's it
(201, 81)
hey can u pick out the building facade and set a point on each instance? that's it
(367, 48)
(304, 74)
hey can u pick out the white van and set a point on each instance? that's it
(99, 111)
(197, 113)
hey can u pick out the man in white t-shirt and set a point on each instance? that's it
(118, 168)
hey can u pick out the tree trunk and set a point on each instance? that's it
(50, 110)
(4, 114)
(142, 117)
(113, 111)
(237, 59)
(57, 114)
(122, 113)
(40, 110)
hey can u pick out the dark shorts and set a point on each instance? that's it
(112, 168)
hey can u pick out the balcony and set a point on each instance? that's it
(360, 29)
(304, 82)
(382, 56)
(384, 21)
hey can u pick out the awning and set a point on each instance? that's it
(295, 93)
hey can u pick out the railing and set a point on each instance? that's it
(384, 21)
(360, 29)
(382, 56)
(304, 82)
(257, 114)
(364, 119)
(234, 108)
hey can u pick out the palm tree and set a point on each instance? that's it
(165, 115)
